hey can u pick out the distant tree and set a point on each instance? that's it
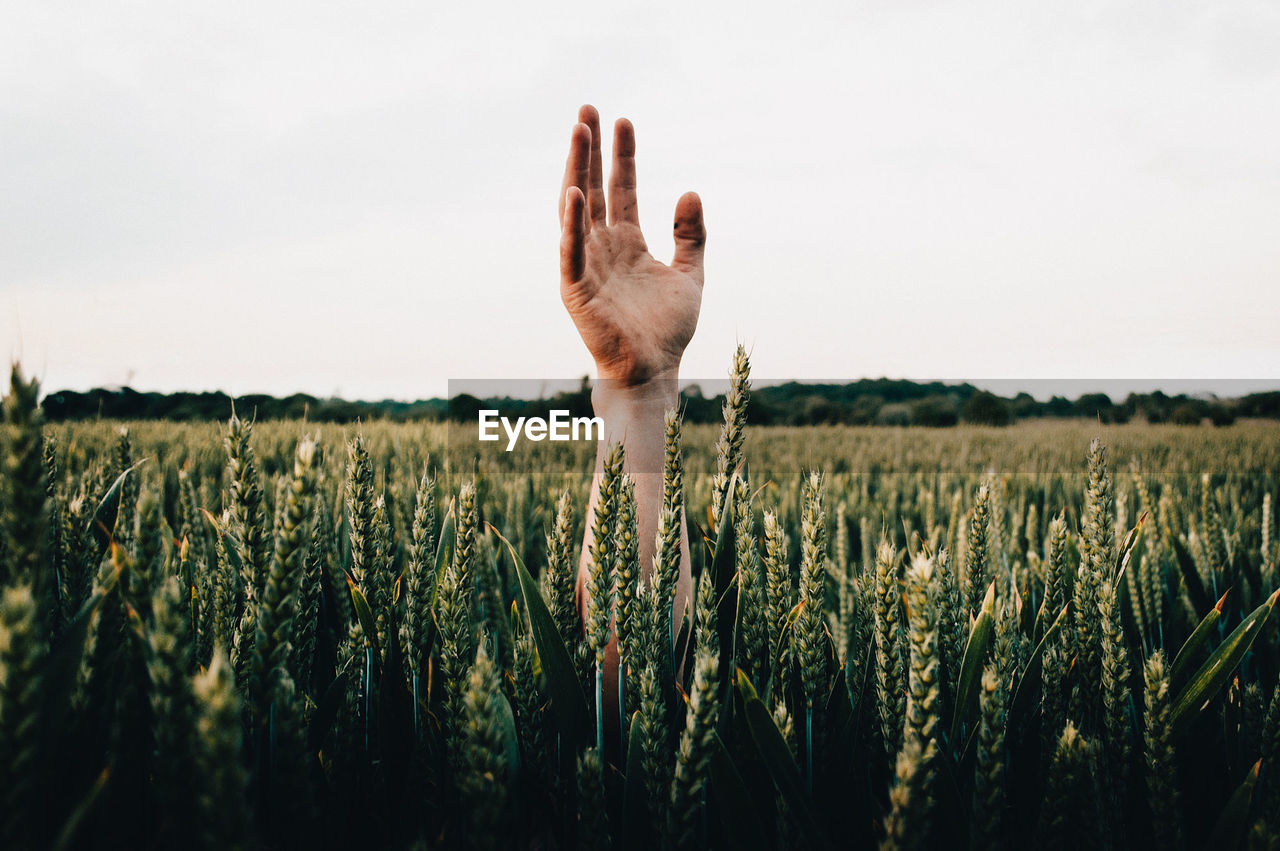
(576, 402)
(856, 403)
(864, 409)
(1095, 405)
(984, 408)
(933, 411)
(1145, 406)
(1059, 406)
(1187, 413)
(698, 408)
(1024, 405)
(894, 414)
(815, 410)
(294, 407)
(336, 411)
(1261, 405)
(465, 408)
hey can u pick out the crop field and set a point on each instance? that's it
(277, 635)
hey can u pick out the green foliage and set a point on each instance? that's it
(732, 435)
(991, 765)
(854, 403)
(420, 580)
(1160, 772)
(809, 638)
(222, 817)
(22, 654)
(890, 639)
(485, 762)
(562, 573)
(985, 408)
(601, 579)
(971, 656)
(693, 757)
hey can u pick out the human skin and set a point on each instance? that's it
(636, 316)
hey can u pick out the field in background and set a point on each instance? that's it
(901, 636)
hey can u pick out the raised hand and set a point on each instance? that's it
(635, 314)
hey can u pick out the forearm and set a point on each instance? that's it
(633, 415)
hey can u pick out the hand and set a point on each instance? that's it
(635, 314)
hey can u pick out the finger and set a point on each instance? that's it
(690, 235)
(595, 168)
(622, 179)
(575, 167)
(573, 238)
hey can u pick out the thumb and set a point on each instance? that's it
(690, 235)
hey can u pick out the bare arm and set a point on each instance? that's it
(635, 314)
(634, 416)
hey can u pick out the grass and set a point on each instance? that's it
(257, 636)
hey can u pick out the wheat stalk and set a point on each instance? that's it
(890, 646)
(989, 767)
(693, 758)
(732, 434)
(977, 558)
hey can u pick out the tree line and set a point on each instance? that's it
(865, 402)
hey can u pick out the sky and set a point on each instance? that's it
(359, 199)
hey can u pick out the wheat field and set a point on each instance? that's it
(273, 635)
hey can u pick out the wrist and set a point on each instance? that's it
(633, 414)
(611, 397)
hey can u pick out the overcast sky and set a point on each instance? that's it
(360, 198)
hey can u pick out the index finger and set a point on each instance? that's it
(595, 171)
(575, 167)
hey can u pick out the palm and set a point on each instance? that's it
(635, 314)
